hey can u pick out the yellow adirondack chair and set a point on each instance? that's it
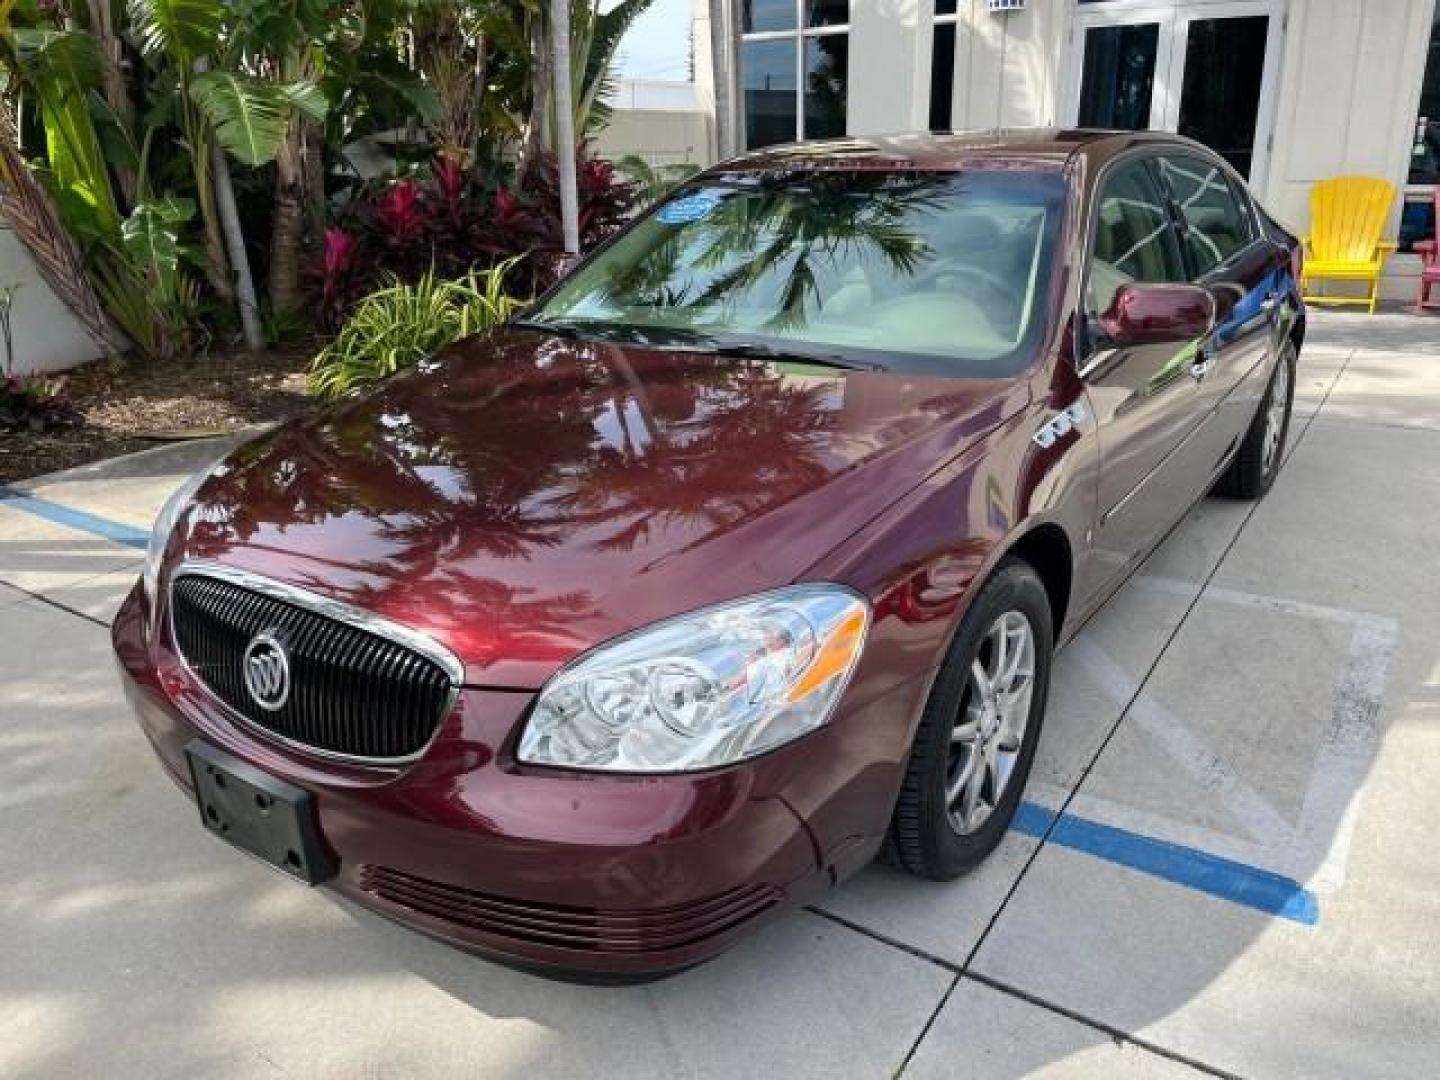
(1347, 222)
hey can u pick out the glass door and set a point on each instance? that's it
(1117, 83)
(1224, 65)
(1202, 68)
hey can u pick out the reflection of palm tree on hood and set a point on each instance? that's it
(681, 475)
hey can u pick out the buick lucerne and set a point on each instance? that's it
(736, 560)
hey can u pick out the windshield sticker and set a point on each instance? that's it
(690, 208)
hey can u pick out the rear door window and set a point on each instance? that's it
(1134, 240)
(1217, 224)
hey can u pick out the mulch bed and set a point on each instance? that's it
(126, 406)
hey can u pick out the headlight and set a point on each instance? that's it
(705, 689)
(164, 525)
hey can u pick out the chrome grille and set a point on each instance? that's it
(353, 693)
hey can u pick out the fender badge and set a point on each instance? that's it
(1062, 423)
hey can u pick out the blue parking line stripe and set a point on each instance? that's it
(68, 516)
(1248, 886)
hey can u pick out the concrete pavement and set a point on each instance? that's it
(1224, 865)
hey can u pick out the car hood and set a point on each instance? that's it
(524, 497)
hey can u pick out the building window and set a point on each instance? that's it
(1418, 220)
(794, 69)
(942, 65)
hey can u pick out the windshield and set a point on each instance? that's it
(920, 269)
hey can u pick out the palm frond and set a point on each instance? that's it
(306, 98)
(183, 29)
(249, 117)
(27, 208)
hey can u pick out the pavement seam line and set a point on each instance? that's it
(59, 606)
(1097, 1025)
(885, 939)
(1004, 988)
(925, 1028)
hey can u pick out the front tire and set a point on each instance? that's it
(977, 736)
(1258, 461)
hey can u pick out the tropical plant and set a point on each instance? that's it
(400, 325)
(156, 145)
(409, 227)
(177, 38)
(35, 403)
(32, 214)
(653, 182)
(595, 38)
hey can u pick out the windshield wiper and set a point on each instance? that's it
(755, 350)
(620, 333)
(683, 339)
(545, 326)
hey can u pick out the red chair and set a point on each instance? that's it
(1429, 252)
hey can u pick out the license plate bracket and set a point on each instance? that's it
(260, 814)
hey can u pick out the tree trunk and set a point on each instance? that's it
(316, 207)
(478, 135)
(720, 75)
(564, 124)
(534, 144)
(230, 217)
(201, 143)
(288, 223)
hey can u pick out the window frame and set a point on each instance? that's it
(798, 36)
(1238, 193)
(1146, 158)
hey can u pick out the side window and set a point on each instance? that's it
(1216, 224)
(1133, 237)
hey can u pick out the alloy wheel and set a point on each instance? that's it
(1275, 414)
(995, 710)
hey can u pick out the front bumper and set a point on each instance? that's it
(602, 876)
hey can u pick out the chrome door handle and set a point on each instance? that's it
(1268, 304)
(1200, 366)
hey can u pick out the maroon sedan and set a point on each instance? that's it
(740, 557)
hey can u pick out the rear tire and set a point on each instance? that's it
(985, 711)
(1262, 452)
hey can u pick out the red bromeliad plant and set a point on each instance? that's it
(451, 223)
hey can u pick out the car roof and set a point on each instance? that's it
(1033, 148)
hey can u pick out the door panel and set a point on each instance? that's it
(1144, 398)
(1226, 253)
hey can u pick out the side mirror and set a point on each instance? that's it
(1153, 314)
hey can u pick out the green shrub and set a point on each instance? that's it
(399, 325)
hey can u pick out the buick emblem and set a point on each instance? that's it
(267, 671)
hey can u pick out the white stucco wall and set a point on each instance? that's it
(47, 337)
(889, 86)
(1006, 66)
(659, 136)
(1349, 92)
